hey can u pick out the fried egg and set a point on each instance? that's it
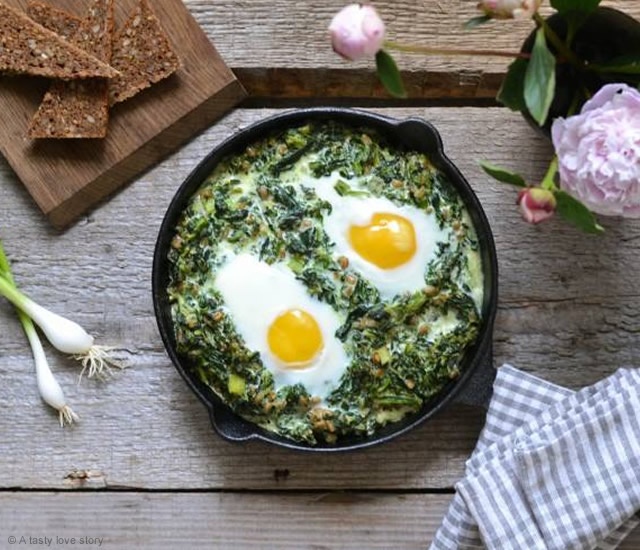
(387, 244)
(293, 332)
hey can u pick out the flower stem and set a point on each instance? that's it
(414, 48)
(572, 28)
(558, 44)
(631, 68)
(548, 182)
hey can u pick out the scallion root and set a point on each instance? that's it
(97, 362)
(67, 416)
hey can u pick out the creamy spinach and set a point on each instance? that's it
(402, 351)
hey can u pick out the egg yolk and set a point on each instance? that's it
(388, 241)
(295, 338)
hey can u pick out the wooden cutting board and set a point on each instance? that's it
(66, 178)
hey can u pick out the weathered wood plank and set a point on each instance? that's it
(150, 521)
(281, 48)
(144, 430)
(567, 313)
(223, 520)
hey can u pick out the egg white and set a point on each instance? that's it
(348, 211)
(254, 294)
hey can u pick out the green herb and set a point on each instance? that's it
(262, 202)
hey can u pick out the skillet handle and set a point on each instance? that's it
(230, 426)
(479, 389)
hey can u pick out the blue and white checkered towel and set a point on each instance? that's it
(552, 469)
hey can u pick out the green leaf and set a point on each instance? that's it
(503, 175)
(344, 189)
(475, 21)
(566, 6)
(578, 214)
(540, 79)
(511, 93)
(389, 74)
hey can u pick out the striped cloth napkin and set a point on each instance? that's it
(553, 469)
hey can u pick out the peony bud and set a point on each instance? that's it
(536, 204)
(509, 9)
(357, 31)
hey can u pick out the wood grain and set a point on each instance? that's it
(143, 468)
(224, 520)
(67, 177)
(568, 313)
(281, 48)
(317, 521)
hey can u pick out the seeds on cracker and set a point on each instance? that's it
(29, 48)
(142, 53)
(79, 109)
(139, 55)
(54, 19)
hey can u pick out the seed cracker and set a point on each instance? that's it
(142, 53)
(54, 19)
(80, 110)
(29, 48)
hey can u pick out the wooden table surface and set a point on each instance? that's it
(143, 468)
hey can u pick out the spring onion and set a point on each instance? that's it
(65, 335)
(48, 386)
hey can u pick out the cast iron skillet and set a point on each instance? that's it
(474, 385)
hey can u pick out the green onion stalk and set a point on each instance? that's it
(64, 334)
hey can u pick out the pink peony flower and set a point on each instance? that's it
(599, 152)
(536, 204)
(357, 31)
(509, 9)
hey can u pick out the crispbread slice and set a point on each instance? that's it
(54, 19)
(80, 110)
(29, 48)
(141, 49)
(142, 53)
(77, 109)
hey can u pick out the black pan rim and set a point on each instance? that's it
(234, 428)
